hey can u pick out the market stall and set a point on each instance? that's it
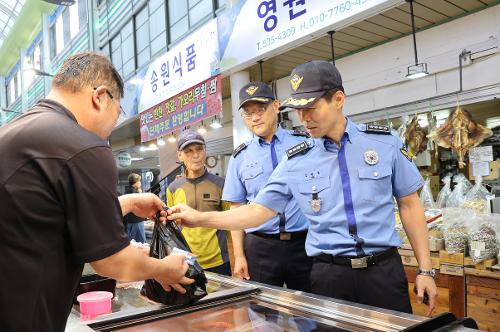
(458, 153)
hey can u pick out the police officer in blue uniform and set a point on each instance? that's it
(345, 181)
(274, 252)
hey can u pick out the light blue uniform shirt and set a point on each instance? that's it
(354, 194)
(249, 171)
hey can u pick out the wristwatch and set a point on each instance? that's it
(430, 273)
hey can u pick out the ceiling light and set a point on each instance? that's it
(171, 138)
(202, 129)
(151, 147)
(160, 141)
(216, 123)
(418, 69)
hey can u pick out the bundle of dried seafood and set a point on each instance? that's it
(415, 137)
(460, 132)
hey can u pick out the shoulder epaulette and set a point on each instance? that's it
(298, 132)
(297, 149)
(240, 148)
(377, 129)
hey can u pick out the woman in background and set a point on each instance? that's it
(133, 223)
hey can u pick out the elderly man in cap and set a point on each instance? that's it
(345, 181)
(201, 190)
(272, 253)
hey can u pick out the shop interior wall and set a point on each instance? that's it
(375, 78)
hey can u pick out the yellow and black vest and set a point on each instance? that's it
(203, 194)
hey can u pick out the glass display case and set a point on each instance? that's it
(236, 305)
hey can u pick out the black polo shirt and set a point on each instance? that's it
(58, 210)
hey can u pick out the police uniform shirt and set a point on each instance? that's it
(345, 189)
(248, 173)
(58, 210)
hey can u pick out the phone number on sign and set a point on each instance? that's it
(266, 42)
(344, 7)
(330, 13)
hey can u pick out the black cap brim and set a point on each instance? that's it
(302, 100)
(258, 99)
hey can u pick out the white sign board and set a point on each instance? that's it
(482, 153)
(194, 59)
(480, 168)
(255, 28)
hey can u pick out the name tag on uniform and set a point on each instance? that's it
(315, 203)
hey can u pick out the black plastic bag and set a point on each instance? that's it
(165, 238)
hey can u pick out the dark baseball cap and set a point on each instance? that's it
(187, 137)
(256, 91)
(310, 81)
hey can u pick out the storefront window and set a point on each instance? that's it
(184, 14)
(122, 50)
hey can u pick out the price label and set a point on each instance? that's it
(482, 153)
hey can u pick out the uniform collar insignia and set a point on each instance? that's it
(296, 81)
(251, 90)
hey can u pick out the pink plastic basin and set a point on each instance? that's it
(95, 303)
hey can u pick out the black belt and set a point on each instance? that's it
(285, 236)
(357, 262)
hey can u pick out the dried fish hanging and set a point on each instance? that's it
(431, 145)
(460, 132)
(415, 137)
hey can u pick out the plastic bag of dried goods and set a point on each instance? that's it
(483, 237)
(456, 229)
(477, 197)
(426, 197)
(461, 178)
(167, 239)
(444, 193)
(457, 196)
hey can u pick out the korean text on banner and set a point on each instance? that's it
(280, 24)
(190, 106)
(191, 61)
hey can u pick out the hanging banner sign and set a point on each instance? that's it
(190, 106)
(279, 24)
(193, 60)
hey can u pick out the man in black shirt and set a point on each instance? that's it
(58, 202)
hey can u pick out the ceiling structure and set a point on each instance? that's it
(379, 29)
(20, 22)
(9, 11)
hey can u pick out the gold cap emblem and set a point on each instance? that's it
(251, 90)
(295, 82)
